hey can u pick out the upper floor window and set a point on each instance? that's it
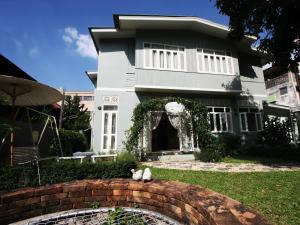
(166, 57)
(220, 119)
(283, 91)
(88, 98)
(210, 61)
(250, 119)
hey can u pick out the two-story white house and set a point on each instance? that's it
(146, 56)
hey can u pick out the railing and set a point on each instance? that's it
(277, 81)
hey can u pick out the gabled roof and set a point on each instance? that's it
(125, 26)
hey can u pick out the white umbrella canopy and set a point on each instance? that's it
(27, 92)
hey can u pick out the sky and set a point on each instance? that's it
(49, 39)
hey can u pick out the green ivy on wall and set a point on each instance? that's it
(197, 111)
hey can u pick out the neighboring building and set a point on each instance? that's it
(86, 98)
(157, 56)
(282, 87)
(283, 96)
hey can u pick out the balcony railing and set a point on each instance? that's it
(185, 81)
(277, 81)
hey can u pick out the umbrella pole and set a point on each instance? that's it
(13, 123)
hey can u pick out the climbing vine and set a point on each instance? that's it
(199, 121)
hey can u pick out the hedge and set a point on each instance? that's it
(72, 141)
(63, 171)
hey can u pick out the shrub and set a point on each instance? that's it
(212, 151)
(63, 171)
(72, 141)
(231, 143)
(126, 156)
(275, 132)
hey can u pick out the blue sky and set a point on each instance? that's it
(49, 39)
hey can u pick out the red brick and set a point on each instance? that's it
(57, 196)
(80, 205)
(50, 203)
(118, 184)
(74, 187)
(48, 190)
(71, 200)
(116, 198)
(101, 192)
(95, 199)
(122, 192)
(80, 194)
(17, 195)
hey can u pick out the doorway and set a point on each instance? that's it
(165, 137)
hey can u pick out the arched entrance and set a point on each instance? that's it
(165, 136)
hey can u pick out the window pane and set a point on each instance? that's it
(105, 123)
(175, 58)
(219, 109)
(211, 121)
(206, 63)
(229, 65)
(168, 60)
(229, 121)
(218, 122)
(253, 110)
(161, 59)
(154, 58)
(243, 121)
(113, 142)
(224, 65)
(227, 109)
(146, 45)
(157, 46)
(218, 62)
(224, 124)
(110, 107)
(243, 109)
(251, 122)
(104, 142)
(258, 119)
(283, 91)
(113, 123)
(212, 64)
(208, 51)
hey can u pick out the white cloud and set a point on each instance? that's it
(82, 43)
(33, 51)
(18, 44)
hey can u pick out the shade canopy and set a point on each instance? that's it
(26, 92)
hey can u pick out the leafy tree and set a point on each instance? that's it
(75, 117)
(275, 23)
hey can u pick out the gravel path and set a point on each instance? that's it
(223, 167)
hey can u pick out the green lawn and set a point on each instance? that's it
(253, 159)
(276, 195)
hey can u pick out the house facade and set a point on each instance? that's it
(145, 57)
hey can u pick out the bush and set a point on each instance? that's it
(287, 152)
(212, 151)
(275, 132)
(63, 171)
(231, 144)
(125, 156)
(72, 141)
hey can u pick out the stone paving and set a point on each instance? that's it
(223, 167)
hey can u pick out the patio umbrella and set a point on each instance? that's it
(24, 92)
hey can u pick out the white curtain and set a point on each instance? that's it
(175, 120)
(155, 118)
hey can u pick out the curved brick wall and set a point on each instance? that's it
(186, 203)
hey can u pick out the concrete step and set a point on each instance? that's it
(169, 156)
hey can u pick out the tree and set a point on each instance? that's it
(75, 117)
(275, 23)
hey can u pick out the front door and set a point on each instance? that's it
(109, 128)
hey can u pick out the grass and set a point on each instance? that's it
(254, 159)
(276, 195)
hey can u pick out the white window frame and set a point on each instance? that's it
(200, 56)
(110, 112)
(246, 119)
(165, 50)
(220, 113)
